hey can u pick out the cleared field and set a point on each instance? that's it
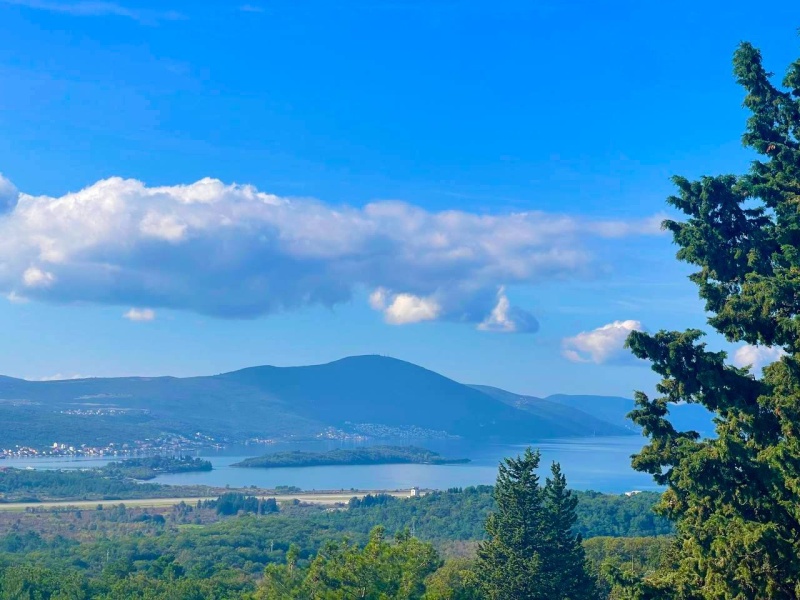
(311, 497)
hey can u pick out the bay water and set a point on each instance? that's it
(597, 463)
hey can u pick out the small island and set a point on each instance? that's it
(373, 455)
(151, 467)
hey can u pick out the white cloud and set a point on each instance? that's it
(505, 318)
(378, 299)
(140, 314)
(601, 345)
(35, 277)
(164, 227)
(234, 251)
(757, 356)
(407, 308)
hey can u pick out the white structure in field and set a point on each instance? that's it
(414, 491)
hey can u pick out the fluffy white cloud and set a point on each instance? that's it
(408, 308)
(601, 345)
(140, 314)
(505, 318)
(756, 356)
(234, 251)
(401, 309)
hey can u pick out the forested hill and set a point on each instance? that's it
(367, 395)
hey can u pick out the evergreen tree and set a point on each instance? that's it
(531, 553)
(736, 497)
(564, 559)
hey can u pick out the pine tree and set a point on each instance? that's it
(531, 552)
(735, 497)
(564, 558)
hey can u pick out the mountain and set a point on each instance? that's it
(614, 409)
(573, 420)
(371, 394)
(584, 410)
(611, 409)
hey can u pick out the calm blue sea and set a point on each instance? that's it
(598, 463)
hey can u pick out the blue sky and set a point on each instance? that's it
(471, 186)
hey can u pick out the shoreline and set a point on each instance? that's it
(326, 497)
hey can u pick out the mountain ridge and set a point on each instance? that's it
(375, 395)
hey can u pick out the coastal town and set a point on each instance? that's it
(167, 444)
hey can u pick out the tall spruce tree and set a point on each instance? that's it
(531, 552)
(564, 560)
(736, 497)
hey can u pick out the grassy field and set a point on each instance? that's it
(338, 497)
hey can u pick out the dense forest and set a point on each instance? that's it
(223, 548)
(30, 485)
(370, 455)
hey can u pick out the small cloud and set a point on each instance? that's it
(140, 314)
(402, 309)
(377, 299)
(757, 357)
(408, 308)
(60, 377)
(251, 8)
(602, 345)
(505, 318)
(92, 8)
(15, 298)
(34, 277)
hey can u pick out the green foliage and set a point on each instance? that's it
(459, 514)
(232, 503)
(368, 455)
(454, 580)
(380, 570)
(36, 583)
(736, 497)
(150, 467)
(18, 485)
(617, 561)
(32, 485)
(531, 552)
(39, 583)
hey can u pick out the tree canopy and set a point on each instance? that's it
(735, 497)
(531, 552)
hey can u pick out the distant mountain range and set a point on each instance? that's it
(363, 395)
